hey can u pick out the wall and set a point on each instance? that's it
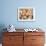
(9, 13)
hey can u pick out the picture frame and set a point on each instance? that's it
(26, 14)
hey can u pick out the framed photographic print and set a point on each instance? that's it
(26, 14)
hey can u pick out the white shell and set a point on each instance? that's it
(11, 28)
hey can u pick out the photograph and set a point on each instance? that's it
(26, 14)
